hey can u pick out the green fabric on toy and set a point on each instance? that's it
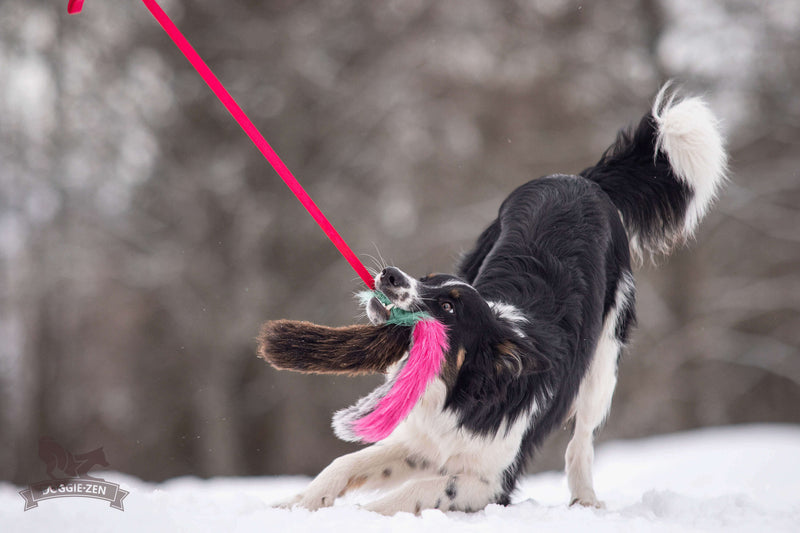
(397, 316)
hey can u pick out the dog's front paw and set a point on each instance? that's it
(288, 504)
(306, 500)
(312, 501)
(588, 501)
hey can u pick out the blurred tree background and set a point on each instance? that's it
(143, 239)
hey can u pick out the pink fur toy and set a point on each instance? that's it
(411, 349)
(428, 347)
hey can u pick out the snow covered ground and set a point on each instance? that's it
(743, 478)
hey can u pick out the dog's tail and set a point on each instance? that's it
(664, 174)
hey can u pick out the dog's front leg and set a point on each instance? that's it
(377, 466)
(463, 492)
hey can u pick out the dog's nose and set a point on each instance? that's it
(393, 277)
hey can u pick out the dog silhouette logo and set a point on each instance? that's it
(69, 477)
(55, 457)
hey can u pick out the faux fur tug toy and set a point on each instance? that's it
(363, 349)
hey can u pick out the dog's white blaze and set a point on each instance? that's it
(594, 399)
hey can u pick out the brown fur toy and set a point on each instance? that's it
(306, 347)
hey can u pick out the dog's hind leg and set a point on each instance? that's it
(594, 396)
(378, 466)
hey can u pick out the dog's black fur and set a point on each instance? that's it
(556, 252)
(547, 287)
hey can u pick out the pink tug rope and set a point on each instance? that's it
(429, 345)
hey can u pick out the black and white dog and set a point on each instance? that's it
(536, 318)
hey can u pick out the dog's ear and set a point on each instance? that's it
(307, 347)
(517, 355)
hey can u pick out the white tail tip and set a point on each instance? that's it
(688, 133)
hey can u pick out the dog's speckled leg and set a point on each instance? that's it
(379, 466)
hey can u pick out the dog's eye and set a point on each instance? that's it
(448, 307)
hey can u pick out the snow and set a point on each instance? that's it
(744, 478)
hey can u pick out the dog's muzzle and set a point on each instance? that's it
(401, 290)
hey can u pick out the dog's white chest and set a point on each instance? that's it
(434, 434)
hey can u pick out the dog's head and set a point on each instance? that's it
(482, 335)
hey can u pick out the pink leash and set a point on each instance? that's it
(246, 124)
